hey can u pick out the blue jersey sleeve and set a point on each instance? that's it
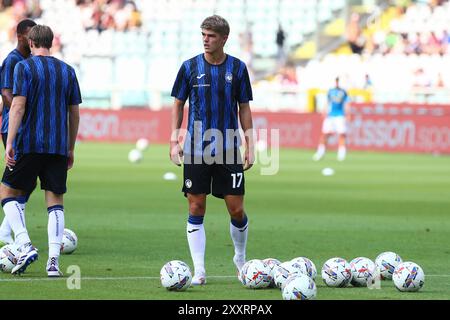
(21, 81)
(180, 88)
(244, 92)
(7, 73)
(75, 93)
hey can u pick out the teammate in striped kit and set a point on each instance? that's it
(215, 83)
(43, 125)
(21, 52)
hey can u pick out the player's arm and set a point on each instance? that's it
(245, 116)
(16, 113)
(176, 152)
(74, 121)
(7, 97)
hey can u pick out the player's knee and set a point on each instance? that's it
(237, 212)
(197, 208)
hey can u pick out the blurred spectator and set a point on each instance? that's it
(120, 15)
(280, 39)
(367, 82)
(354, 35)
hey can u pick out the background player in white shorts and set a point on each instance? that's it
(334, 122)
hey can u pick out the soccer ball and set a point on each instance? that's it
(306, 266)
(69, 242)
(386, 262)
(272, 263)
(135, 156)
(176, 275)
(142, 144)
(283, 272)
(255, 274)
(299, 287)
(363, 270)
(8, 257)
(336, 272)
(408, 276)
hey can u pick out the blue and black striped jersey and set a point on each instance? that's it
(7, 81)
(214, 92)
(50, 86)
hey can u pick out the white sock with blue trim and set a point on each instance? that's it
(16, 220)
(55, 230)
(197, 243)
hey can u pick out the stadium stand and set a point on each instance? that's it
(127, 52)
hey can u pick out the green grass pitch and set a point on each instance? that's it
(130, 221)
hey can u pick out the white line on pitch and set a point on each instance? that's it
(144, 278)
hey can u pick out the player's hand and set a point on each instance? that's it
(249, 158)
(71, 160)
(176, 153)
(9, 156)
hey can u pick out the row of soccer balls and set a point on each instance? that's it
(10, 252)
(296, 277)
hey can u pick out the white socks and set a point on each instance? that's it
(320, 152)
(197, 243)
(5, 231)
(16, 220)
(55, 229)
(239, 233)
(342, 151)
(5, 228)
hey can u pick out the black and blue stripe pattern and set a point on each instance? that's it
(50, 86)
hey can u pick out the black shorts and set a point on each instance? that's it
(50, 168)
(220, 179)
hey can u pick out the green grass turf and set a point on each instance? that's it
(130, 221)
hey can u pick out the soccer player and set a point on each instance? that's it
(21, 52)
(215, 83)
(334, 122)
(43, 125)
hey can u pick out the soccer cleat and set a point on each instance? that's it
(53, 268)
(198, 279)
(27, 256)
(341, 156)
(318, 156)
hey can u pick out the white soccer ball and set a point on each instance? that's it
(176, 276)
(261, 145)
(386, 263)
(170, 176)
(306, 266)
(336, 272)
(135, 156)
(283, 272)
(8, 257)
(255, 274)
(142, 144)
(363, 271)
(299, 287)
(327, 172)
(69, 242)
(272, 263)
(408, 276)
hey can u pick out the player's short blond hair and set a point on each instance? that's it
(217, 24)
(42, 36)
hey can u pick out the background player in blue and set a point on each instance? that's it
(334, 122)
(215, 84)
(21, 52)
(43, 125)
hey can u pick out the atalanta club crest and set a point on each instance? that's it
(229, 77)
